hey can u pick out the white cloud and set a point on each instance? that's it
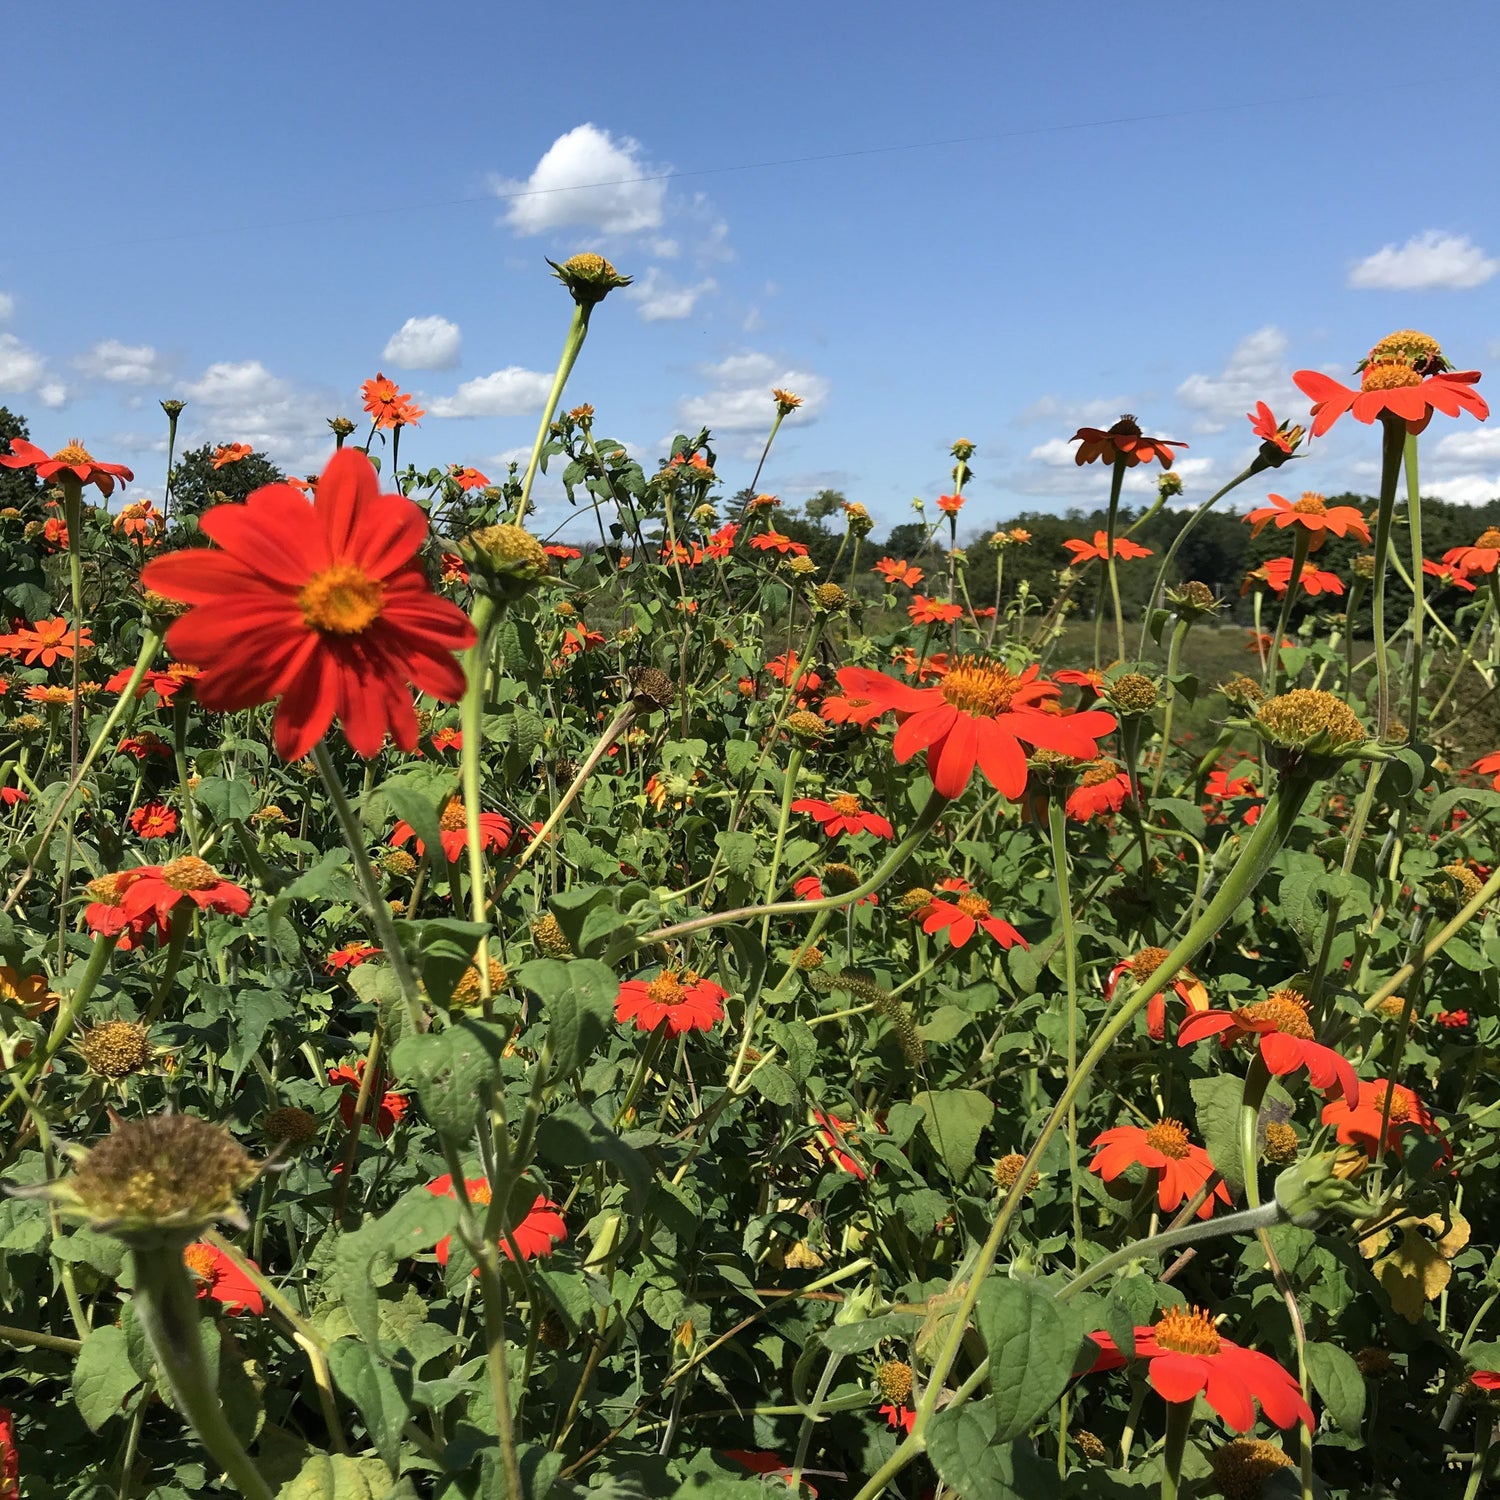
(243, 402)
(52, 394)
(739, 395)
(1060, 413)
(21, 367)
(7, 306)
(1256, 371)
(1055, 453)
(662, 300)
(1426, 262)
(511, 392)
(1464, 489)
(586, 179)
(424, 344)
(122, 364)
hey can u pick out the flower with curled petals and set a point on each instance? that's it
(980, 714)
(1184, 984)
(1284, 1035)
(1098, 549)
(231, 453)
(1313, 514)
(1482, 557)
(844, 814)
(1101, 790)
(74, 460)
(1182, 1168)
(325, 608)
(925, 611)
(385, 1108)
(1189, 1357)
(769, 541)
(1454, 578)
(961, 917)
(1276, 574)
(1123, 442)
(1391, 388)
(1488, 765)
(1278, 437)
(1356, 1120)
(537, 1234)
(895, 571)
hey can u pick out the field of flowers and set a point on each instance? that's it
(678, 1015)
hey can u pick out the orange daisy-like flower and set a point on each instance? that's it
(1222, 787)
(894, 571)
(448, 738)
(325, 608)
(1097, 550)
(350, 956)
(964, 915)
(1356, 1120)
(579, 638)
(231, 453)
(1276, 574)
(140, 746)
(47, 642)
(1489, 765)
(1392, 387)
(1282, 436)
(220, 1280)
(389, 1107)
(1101, 790)
(51, 696)
(1445, 573)
(1184, 984)
(769, 541)
(1313, 514)
(925, 611)
(1482, 557)
(468, 478)
(55, 533)
(1123, 441)
(1090, 679)
(141, 522)
(832, 1135)
(978, 715)
(388, 405)
(810, 888)
(721, 542)
(1284, 1035)
(494, 831)
(1184, 1169)
(153, 892)
(562, 553)
(680, 1002)
(1189, 1357)
(789, 669)
(154, 820)
(537, 1234)
(950, 505)
(844, 814)
(74, 459)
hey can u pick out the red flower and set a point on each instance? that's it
(895, 571)
(543, 1227)
(1123, 441)
(899, 1418)
(1164, 1148)
(55, 533)
(758, 1463)
(768, 540)
(231, 453)
(1276, 574)
(389, 1107)
(1313, 514)
(1391, 386)
(350, 956)
(47, 642)
(1102, 789)
(448, 738)
(844, 814)
(962, 917)
(1089, 678)
(468, 479)
(152, 893)
(389, 406)
(154, 820)
(1096, 551)
(1185, 985)
(1264, 425)
(721, 543)
(1453, 577)
(219, 1278)
(1489, 765)
(325, 608)
(1188, 1357)
(831, 1133)
(788, 668)
(696, 1005)
(1285, 1037)
(579, 638)
(10, 795)
(978, 715)
(562, 553)
(10, 1457)
(74, 459)
(950, 505)
(453, 567)
(1482, 557)
(1222, 787)
(1357, 1122)
(494, 831)
(139, 746)
(810, 888)
(1486, 1380)
(925, 611)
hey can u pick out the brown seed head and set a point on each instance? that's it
(1281, 1144)
(288, 1126)
(116, 1049)
(893, 1381)
(547, 934)
(651, 688)
(1242, 1467)
(1373, 1362)
(1008, 1173)
(1133, 694)
(1090, 1446)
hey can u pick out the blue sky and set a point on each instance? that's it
(1163, 209)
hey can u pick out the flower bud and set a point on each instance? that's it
(589, 278)
(1313, 1189)
(1309, 732)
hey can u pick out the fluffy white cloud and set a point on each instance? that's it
(122, 364)
(243, 402)
(661, 300)
(587, 179)
(21, 367)
(1426, 262)
(511, 392)
(424, 344)
(739, 395)
(52, 394)
(1464, 466)
(1059, 413)
(1256, 371)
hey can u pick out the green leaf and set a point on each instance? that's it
(944, 1024)
(853, 1338)
(740, 755)
(445, 949)
(101, 1251)
(953, 1121)
(418, 809)
(1032, 1345)
(1217, 1101)
(102, 1376)
(775, 1084)
(451, 1070)
(226, 801)
(750, 960)
(800, 1046)
(579, 995)
(335, 1476)
(1337, 1380)
(574, 1135)
(738, 850)
(381, 1392)
(977, 1465)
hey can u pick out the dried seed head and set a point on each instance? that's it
(1133, 693)
(1281, 1144)
(547, 934)
(1454, 887)
(1008, 1173)
(288, 1126)
(830, 598)
(806, 727)
(1364, 566)
(915, 899)
(468, 989)
(1242, 1467)
(803, 567)
(893, 1381)
(1192, 600)
(116, 1049)
(858, 519)
(397, 862)
(651, 688)
(1090, 1446)
(1373, 1362)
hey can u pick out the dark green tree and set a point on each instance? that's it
(197, 485)
(823, 504)
(18, 487)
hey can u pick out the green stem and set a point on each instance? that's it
(1179, 1419)
(1414, 524)
(1392, 445)
(1300, 549)
(471, 721)
(788, 792)
(1116, 480)
(765, 452)
(1057, 827)
(577, 332)
(1174, 659)
(169, 1314)
(1257, 1077)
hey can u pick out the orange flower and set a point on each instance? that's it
(950, 505)
(494, 831)
(350, 956)
(468, 479)
(231, 453)
(1163, 1148)
(543, 1227)
(48, 642)
(1482, 557)
(697, 1005)
(1313, 514)
(562, 553)
(154, 820)
(925, 611)
(220, 1280)
(1489, 765)
(1276, 574)
(1221, 787)
(844, 814)
(1392, 387)
(832, 1132)
(1356, 1121)
(74, 459)
(1444, 572)
(386, 1108)
(787, 668)
(1123, 441)
(768, 540)
(1095, 551)
(1284, 1036)
(55, 533)
(389, 406)
(963, 916)
(1279, 436)
(140, 521)
(895, 571)
(1102, 789)
(1184, 984)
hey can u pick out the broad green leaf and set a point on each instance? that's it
(852, 1338)
(1217, 1101)
(574, 1135)
(445, 949)
(452, 1071)
(944, 1024)
(103, 1376)
(1032, 1345)
(226, 801)
(382, 1393)
(1337, 1380)
(953, 1121)
(336, 1476)
(775, 1083)
(579, 997)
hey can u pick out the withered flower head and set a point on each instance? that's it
(893, 1381)
(173, 409)
(806, 727)
(288, 1126)
(1243, 692)
(115, 1049)
(651, 688)
(786, 402)
(589, 278)
(1008, 1173)
(341, 427)
(1281, 1143)
(858, 519)
(1192, 600)
(1454, 887)
(1242, 1467)
(396, 862)
(506, 558)
(1133, 693)
(547, 934)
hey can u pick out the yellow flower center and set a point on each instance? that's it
(1407, 344)
(1187, 1331)
(1147, 962)
(1400, 1106)
(451, 819)
(479, 1193)
(1096, 775)
(107, 889)
(977, 686)
(1311, 504)
(74, 453)
(846, 806)
(199, 1259)
(973, 906)
(190, 874)
(1286, 1009)
(341, 600)
(1388, 375)
(1168, 1137)
(1489, 537)
(665, 989)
